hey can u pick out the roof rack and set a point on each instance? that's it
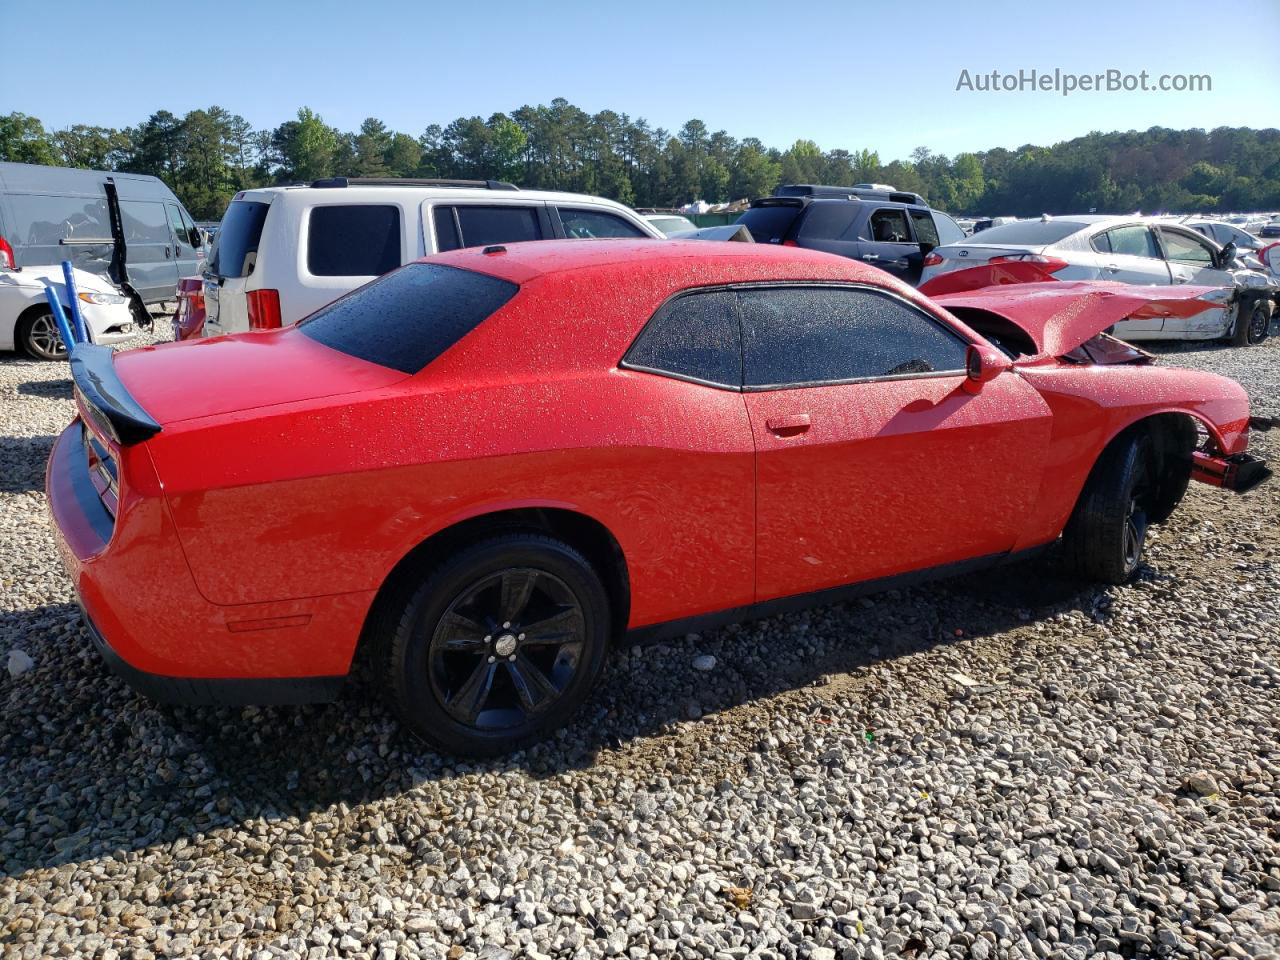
(332, 182)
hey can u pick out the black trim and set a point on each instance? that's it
(340, 182)
(102, 391)
(69, 466)
(802, 601)
(215, 691)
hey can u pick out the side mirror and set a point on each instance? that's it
(983, 364)
(1227, 254)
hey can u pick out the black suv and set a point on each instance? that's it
(890, 234)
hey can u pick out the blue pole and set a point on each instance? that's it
(73, 300)
(59, 317)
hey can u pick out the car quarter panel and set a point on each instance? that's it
(335, 497)
(1092, 404)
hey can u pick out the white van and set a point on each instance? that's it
(283, 252)
(51, 214)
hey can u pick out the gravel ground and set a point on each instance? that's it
(1016, 766)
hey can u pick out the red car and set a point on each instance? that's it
(488, 464)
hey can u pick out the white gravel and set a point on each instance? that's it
(993, 767)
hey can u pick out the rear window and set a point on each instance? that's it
(406, 319)
(237, 237)
(769, 224)
(353, 241)
(1032, 232)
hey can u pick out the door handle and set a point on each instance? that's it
(1113, 268)
(788, 426)
(1181, 279)
(166, 253)
(869, 256)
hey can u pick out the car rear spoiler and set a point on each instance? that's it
(104, 399)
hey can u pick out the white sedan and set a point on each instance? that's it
(26, 319)
(1139, 250)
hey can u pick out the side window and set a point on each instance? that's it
(353, 241)
(192, 230)
(948, 230)
(583, 224)
(802, 335)
(694, 337)
(482, 226)
(180, 231)
(1186, 249)
(1102, 243)
(446, 229)
(1133, 241)
(926, 232)
(45, 220)
(889, 226)
(144, 222)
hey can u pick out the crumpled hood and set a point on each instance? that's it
(219, 375)
(1061, 315)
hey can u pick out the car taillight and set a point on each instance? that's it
(7, 260)
(932, 260)
(264, 309)
(790, 243)
(1051, 264)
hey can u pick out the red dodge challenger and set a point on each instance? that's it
(487, 465)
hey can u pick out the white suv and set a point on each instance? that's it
(283, 252)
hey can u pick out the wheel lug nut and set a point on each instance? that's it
(521, 637)
(512, 657)
(493, 659)
(488, 638)
(506, 625)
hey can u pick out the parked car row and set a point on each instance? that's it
(1137, 250)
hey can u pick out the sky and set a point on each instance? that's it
(845, 74)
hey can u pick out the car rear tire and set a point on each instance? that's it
(1253, 328)
(498, 645)
(1104, 538)
(39, 337)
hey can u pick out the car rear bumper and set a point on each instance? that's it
(214, 691)
(153, 628)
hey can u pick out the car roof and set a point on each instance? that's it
(766, 202)
(365, 192)
(718, 262)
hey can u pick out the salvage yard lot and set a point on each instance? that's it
(1009, 764)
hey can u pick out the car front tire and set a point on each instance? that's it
(1104, 538)
(498, 645)
(1253, 328)
(39, 337)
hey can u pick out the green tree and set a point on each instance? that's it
(23, 140)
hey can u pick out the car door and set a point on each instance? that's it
(872, 459)
(153, 271)
(1130, 254)
(888, 242)
(1193, 259)
(188, 252)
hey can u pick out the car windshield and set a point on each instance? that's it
(1031, 233)
(408, 317)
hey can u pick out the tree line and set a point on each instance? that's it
(207, 155)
